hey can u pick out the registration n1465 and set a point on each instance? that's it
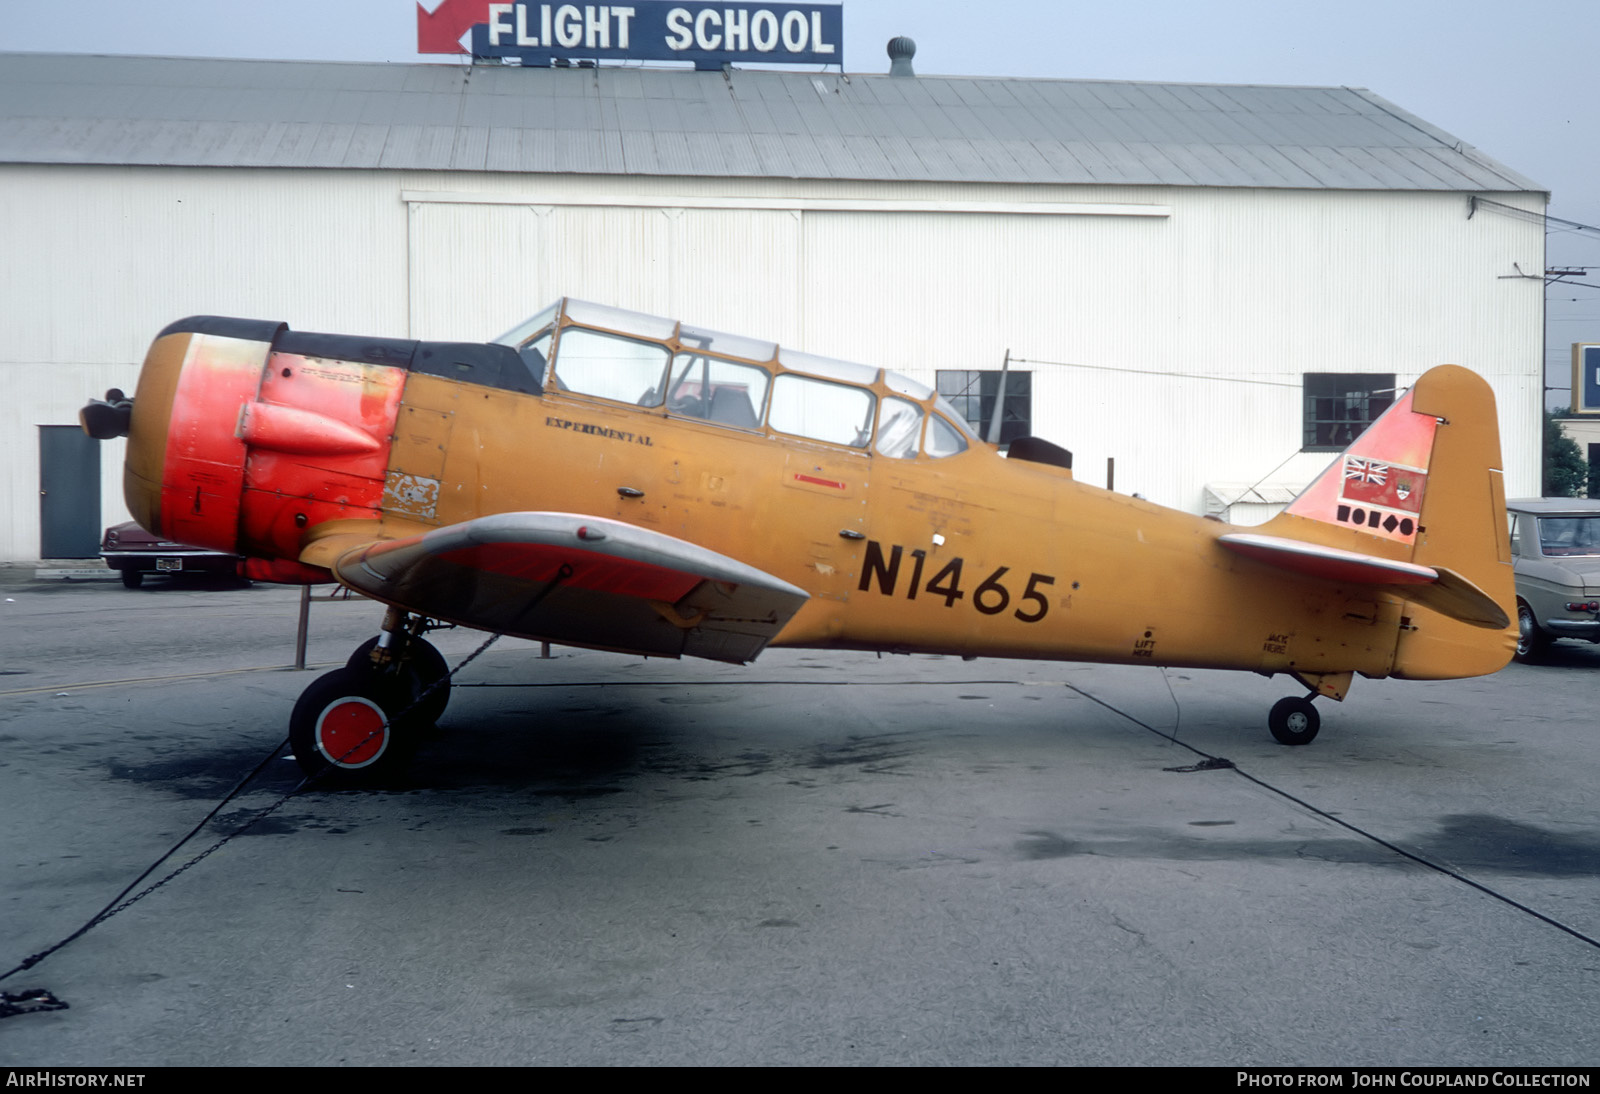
(993, 595)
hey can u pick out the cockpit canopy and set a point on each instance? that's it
(739, 383)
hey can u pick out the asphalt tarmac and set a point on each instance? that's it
(815, 859)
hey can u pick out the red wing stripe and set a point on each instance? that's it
(541, 562)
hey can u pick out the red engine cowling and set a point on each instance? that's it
(240, 447)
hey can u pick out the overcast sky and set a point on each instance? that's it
(1521, 82)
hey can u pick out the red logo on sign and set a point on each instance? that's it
(440, 31)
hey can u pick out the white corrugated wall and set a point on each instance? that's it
(1251, 284)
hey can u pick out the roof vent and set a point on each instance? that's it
(901, 50)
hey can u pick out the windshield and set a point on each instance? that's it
(526, 329)
(1569, 535)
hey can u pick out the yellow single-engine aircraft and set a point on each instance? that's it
(602, 478)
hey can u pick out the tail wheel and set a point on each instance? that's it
(344, 729)
(1294, 721)
(421, 666)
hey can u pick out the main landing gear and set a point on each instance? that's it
(362, 723)
(1294, 721)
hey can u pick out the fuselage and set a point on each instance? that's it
(861, 487)
(970, 554)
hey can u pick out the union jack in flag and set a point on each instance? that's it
(1359, 470)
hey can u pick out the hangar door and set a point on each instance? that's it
(907, 288)
(892, 284)
(478, 269)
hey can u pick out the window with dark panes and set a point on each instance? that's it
(1340, 405)
(974, 392)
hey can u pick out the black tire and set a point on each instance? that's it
(344, 729)
(1294, 721)
(420, 667)
(131, 579)
(1531, 641)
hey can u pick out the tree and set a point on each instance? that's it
(1565, 470)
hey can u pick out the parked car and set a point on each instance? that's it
(1555, 550)
(133, 552)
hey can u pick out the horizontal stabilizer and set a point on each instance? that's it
(1443, 590)
(1459, 598)
(1332, 563)
(580, 581)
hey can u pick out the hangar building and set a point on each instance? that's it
(1211, 285)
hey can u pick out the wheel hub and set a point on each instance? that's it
(351, 732)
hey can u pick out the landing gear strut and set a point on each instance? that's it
(361, 723)
(1294, 721)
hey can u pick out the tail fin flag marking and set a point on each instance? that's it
(1378, 484)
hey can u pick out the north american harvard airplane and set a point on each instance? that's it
(612, 480)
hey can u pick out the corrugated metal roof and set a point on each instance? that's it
(71, 108)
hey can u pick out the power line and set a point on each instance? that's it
(1156, 372)
(1529, 214)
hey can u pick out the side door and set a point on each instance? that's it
(69, 493)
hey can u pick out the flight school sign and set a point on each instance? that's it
(710, 34)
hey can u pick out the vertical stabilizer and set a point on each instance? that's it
(1424, 485)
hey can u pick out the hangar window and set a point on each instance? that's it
(1340, 405)
(592, 363)
(725, 392)
(973, 394)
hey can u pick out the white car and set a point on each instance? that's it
(1555, 548)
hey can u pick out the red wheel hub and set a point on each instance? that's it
(351, 732)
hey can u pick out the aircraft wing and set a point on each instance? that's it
(577, 580)
(1443, 590)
